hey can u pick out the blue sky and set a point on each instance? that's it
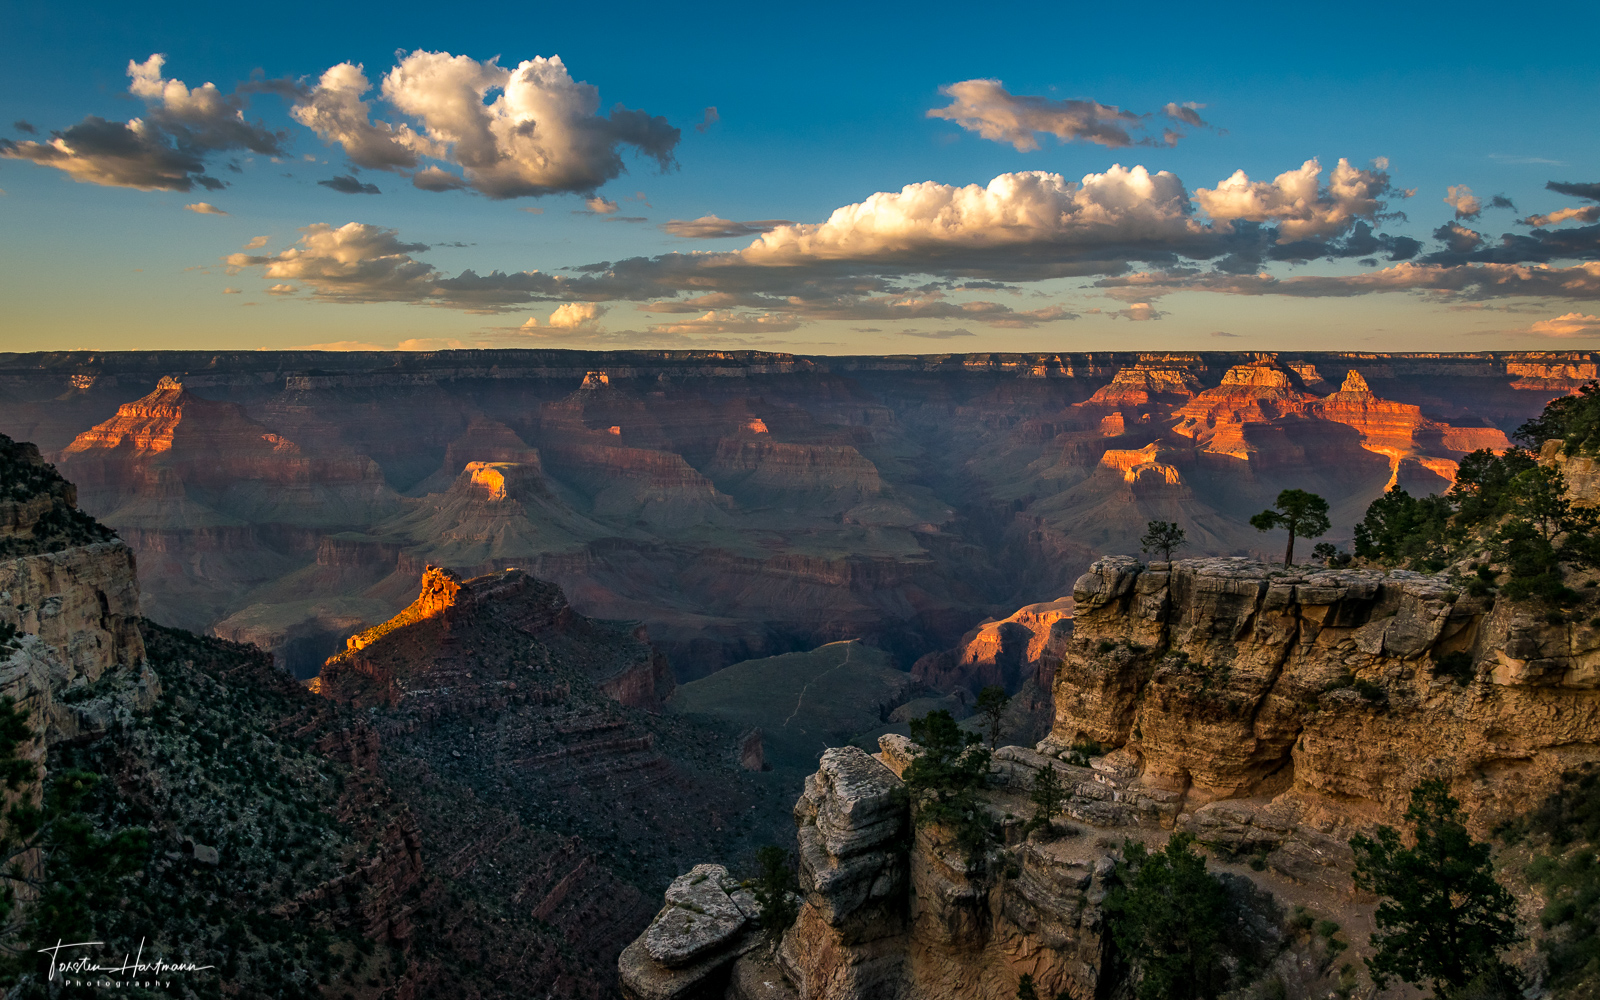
(816, 109)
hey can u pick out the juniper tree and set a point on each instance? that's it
(992, 702)
(1047, 796)
(1167, 916)
(947, 767)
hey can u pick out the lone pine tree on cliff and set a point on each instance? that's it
(992, 702)
(1162, 537)
(1302, 514)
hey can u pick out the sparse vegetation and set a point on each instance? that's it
(949, 765)
(991, 706)
(1167, 915)
(1564, 832)
(1574, 419)
(774, 888)
(1330, 555)
(1457, 666)
(1048, 796)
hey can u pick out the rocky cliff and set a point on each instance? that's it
(1272, 713)
(69, 606)
(466, 645)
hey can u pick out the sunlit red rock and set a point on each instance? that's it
(1249, 394)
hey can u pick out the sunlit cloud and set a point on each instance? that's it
(987, 108)
(204, 208)
(166, 150)
(1465, 203)
(710, 227)
(541, 134)
(1570, 324)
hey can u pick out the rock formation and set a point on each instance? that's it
(1272, 713)
(464, 643)
(69, 607)
(741, 504)
(707, 922)
(211, 499)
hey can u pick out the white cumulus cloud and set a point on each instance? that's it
(205, 208)
(570, 316)
(1108, 210)
(1297, 202)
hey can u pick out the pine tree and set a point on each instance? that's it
(1302, 514)
(1444, 918)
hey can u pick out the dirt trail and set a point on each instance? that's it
(848, 649)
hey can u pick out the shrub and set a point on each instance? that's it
(1457, 666)
(1166, 915)
(774, 887)
(947, 767)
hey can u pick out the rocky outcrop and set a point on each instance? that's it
(1582, 472)
(462, 644)
(69, 607)
(851, 820)
(1228, 678)
(707, 922)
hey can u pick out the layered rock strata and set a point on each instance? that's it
(707, 922)
(1229, 679)
(1271, 712)
(72, 655)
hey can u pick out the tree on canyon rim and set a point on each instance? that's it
(1302, 514)
(1162, 537)
(1444, 918)
(946, 767)
(992, 702)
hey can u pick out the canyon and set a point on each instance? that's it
(1272, 713)
(477, 788)
(738, 504)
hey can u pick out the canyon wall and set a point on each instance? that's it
(72, 655)
(1271, 712)
(740, 504)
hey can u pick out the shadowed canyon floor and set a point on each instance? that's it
(740, 504)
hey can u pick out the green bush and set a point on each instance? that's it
(1457, 666)
(947, 767)
(1166, 915)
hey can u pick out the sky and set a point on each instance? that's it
(833, 179)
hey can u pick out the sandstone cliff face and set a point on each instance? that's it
(1270, 712)
(69, 594)
(1226, 678)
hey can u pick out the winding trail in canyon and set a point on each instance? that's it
(849, 647)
